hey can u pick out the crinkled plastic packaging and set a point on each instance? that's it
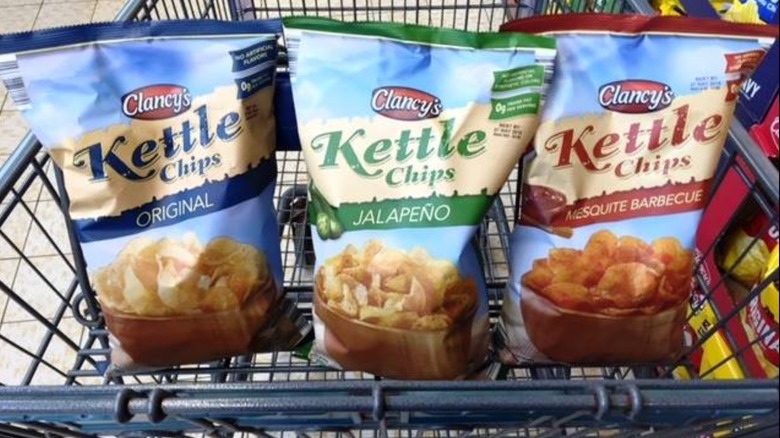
(613, 191)
(761, 317)
(408, 133)
(164, 133)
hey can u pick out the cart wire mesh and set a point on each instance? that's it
(60, 352)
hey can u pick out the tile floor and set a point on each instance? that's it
(36, 279)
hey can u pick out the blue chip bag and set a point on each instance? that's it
(164, 133)
(602, 257)
(409, 133)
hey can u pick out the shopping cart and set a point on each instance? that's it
(55, 341)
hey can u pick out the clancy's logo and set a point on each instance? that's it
(635, 96)
(403, 103)
(156, 102)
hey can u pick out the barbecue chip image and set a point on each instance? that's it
(580, 305)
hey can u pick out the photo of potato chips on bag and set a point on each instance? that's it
(610, 282)
(612, 194)
(170, 172)
(177, 290)
(394, 301)
(405, 161)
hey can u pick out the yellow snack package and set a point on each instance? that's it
(756, 238)
(710, 362)
(760, 319)
(676, 9)
(740, 12)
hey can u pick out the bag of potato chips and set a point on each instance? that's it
(613, 191)
(408, 132)
(164, 133)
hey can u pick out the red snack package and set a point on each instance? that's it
(766, 133)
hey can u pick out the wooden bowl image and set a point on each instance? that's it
(397, 353)
(173, 340)
(576, 337)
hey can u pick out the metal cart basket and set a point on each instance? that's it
(57, 342)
